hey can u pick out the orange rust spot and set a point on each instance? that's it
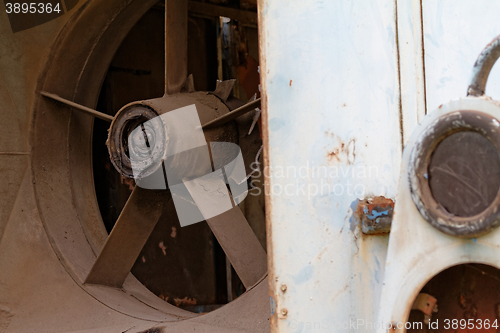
(163, 248)
(184, 301)
(127, 181)
(333, 154)
(290, 83)
(365, 214)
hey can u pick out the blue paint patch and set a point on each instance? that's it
(375, 214)
(304, 275)
(273, 306)
(474, 240)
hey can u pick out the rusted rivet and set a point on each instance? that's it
(284, 312)
(375, 215)
(283, 287)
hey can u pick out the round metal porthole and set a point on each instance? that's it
(455, 174)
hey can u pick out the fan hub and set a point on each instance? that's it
(150, 146)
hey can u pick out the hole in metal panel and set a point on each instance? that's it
(467, 298)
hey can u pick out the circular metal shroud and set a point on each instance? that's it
(62, 172)
(432, 211)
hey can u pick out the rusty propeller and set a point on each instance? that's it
(144, 206)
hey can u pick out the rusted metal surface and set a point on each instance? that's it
(433, 210)
(375, 215)
(482, 67)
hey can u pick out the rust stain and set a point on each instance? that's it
(184, 301)
(290, 83)
(333, 154)
(174, 232)
(462, 301)
(341, 148)
(163, 248)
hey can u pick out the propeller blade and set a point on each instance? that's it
(240, 244)
(176, 45)
(79, 107)
(231, 229)
(126, 240)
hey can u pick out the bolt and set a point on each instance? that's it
(284, 312)
(283, 287)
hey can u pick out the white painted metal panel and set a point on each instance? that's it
(331, 85)
(455, 32)
(341, 84)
